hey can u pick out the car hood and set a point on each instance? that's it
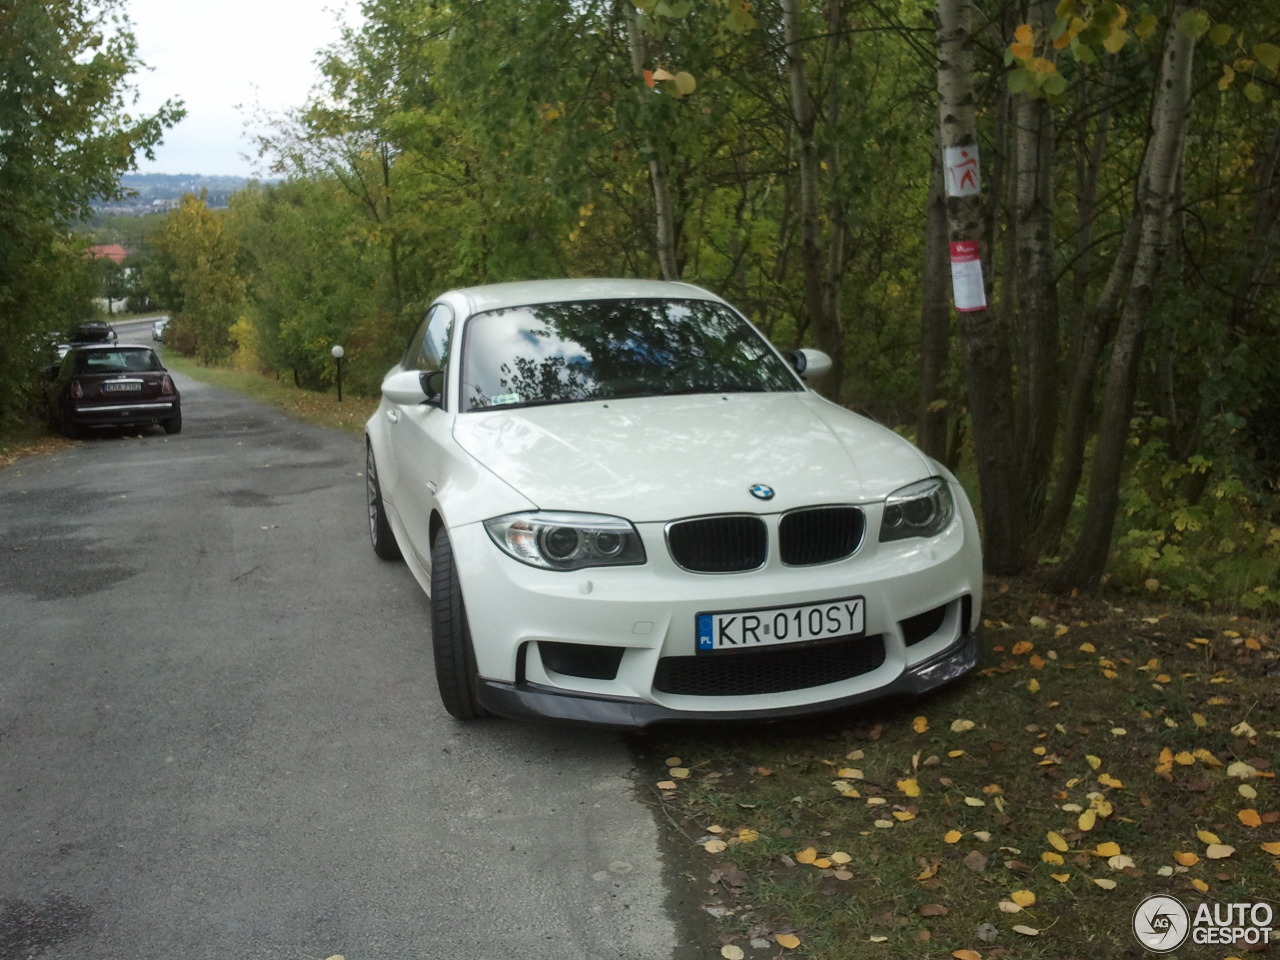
(660, 458)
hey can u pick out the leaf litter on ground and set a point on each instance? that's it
(1121, 772)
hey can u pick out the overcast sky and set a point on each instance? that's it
(224, 58)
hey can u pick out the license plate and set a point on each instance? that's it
(744, 629)
(122, 386)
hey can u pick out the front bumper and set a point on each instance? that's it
(532, 701)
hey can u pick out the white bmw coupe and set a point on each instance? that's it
(626, 507)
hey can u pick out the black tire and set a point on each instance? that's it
(68, 429)
(380, 533)
(174, 423)
(455, 657)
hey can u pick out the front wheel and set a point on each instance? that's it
(383, 540)
(455, 657)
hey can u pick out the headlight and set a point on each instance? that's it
(920, 510)
(567, 541)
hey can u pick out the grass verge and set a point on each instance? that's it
(1101, 756)
(321, 409)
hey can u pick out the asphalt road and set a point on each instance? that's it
(220, 735)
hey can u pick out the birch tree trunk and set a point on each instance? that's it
(822, 303)
(935, 323)
(1155, 201)
(984, 338)
(1038, 383)
(659, 177)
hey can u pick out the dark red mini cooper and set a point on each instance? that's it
(110, 385)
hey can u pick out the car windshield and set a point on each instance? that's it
(116, 361)
(605, 349)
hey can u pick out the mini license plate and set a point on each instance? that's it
(122, 386)
(743, 629)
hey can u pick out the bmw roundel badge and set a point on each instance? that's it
(761, 491)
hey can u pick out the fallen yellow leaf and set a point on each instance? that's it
(715, 846)
(840, 857)
(1061, 877)
(1023, 898)
(909, 787)
(666, 784)
(1207, 836)
(1186, 859)
(920, 724)
(1057, 842)
(807, 855)
(974, 802)
(1272, 848)
(966, 955)
(953, 836)
(1108, 849)
(679, 773)
(788, 940)
(1107, 780)
(1250, 818)
(962, 726)
(1050, 856)
(1026, 931)
(902, 816)
(1104, 883)
(1094, 762)
(1086, 820)
(1200, 885)
(1219, 851)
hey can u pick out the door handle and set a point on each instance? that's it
(393, 416)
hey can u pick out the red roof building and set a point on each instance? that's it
(109, 251)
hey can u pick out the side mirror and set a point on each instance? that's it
(432, 382)
(810, 364)
(410, 387)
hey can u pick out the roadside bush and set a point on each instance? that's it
(1195, 531)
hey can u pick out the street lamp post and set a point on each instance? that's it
(338, 354)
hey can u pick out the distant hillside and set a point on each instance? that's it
(156, 192)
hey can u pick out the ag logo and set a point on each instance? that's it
(1161, 923)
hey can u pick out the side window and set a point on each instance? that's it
(435, 345)
(428, 349)
(410, 359)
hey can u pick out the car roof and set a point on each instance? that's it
(92, 347)
(495, 296)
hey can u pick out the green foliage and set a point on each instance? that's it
(196, 257)
(1195, 531)
(65, 138)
